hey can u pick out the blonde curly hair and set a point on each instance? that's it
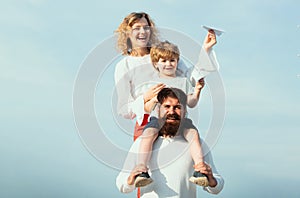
(165, 50)
(124, 44)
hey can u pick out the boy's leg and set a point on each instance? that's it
(147, 139)
(192, 136)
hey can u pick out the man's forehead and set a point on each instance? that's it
(174, 101)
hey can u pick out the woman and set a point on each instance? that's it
(136, 35)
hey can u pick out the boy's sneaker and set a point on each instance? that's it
(142, 179)
(199, 179)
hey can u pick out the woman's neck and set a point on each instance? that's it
(139, 52)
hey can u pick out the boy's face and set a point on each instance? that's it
(167, 67)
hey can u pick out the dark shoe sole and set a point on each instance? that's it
(201, 181)
(142, 181)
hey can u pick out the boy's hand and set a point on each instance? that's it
(210, 40)
(199, 84)
(153, 91)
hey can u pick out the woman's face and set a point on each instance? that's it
(140, 34)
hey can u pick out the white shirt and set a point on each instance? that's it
(177, 82)
(170, 167)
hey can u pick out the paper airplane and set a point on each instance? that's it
(216, 30)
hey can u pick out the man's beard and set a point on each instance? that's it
(169, 128)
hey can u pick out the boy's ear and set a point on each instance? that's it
(155, 66)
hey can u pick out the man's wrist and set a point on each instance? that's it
(212, 182)
(130, 180)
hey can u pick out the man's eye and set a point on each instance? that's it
(167, 106)
(178, 107)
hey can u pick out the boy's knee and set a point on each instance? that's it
(150, 132)
(191, 134)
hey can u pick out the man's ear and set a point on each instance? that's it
(185, 112)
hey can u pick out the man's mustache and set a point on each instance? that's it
(169, 128)
(173, 116)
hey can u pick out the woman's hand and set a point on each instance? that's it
(210, 40)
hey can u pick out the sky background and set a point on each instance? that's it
(43, 43)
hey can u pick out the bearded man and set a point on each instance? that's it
(171, 164)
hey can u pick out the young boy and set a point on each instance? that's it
(164, 57)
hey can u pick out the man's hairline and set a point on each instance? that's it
(173, 98)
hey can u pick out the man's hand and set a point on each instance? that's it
(136, 171)
(210, 40)
(204, 168)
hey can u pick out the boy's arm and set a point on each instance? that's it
(192, 99)
(138, 106)
(150, 104)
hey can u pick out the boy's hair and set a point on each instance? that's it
(165, 50)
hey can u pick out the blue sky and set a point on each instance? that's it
(43, 44)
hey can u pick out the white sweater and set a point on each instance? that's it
(170, 168)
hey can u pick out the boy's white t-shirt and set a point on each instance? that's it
(177, 82)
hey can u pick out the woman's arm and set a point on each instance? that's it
(207, 61)
(130, 105)
(123, 88)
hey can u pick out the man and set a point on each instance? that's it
(171, 164)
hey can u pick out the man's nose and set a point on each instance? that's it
(171, 110)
